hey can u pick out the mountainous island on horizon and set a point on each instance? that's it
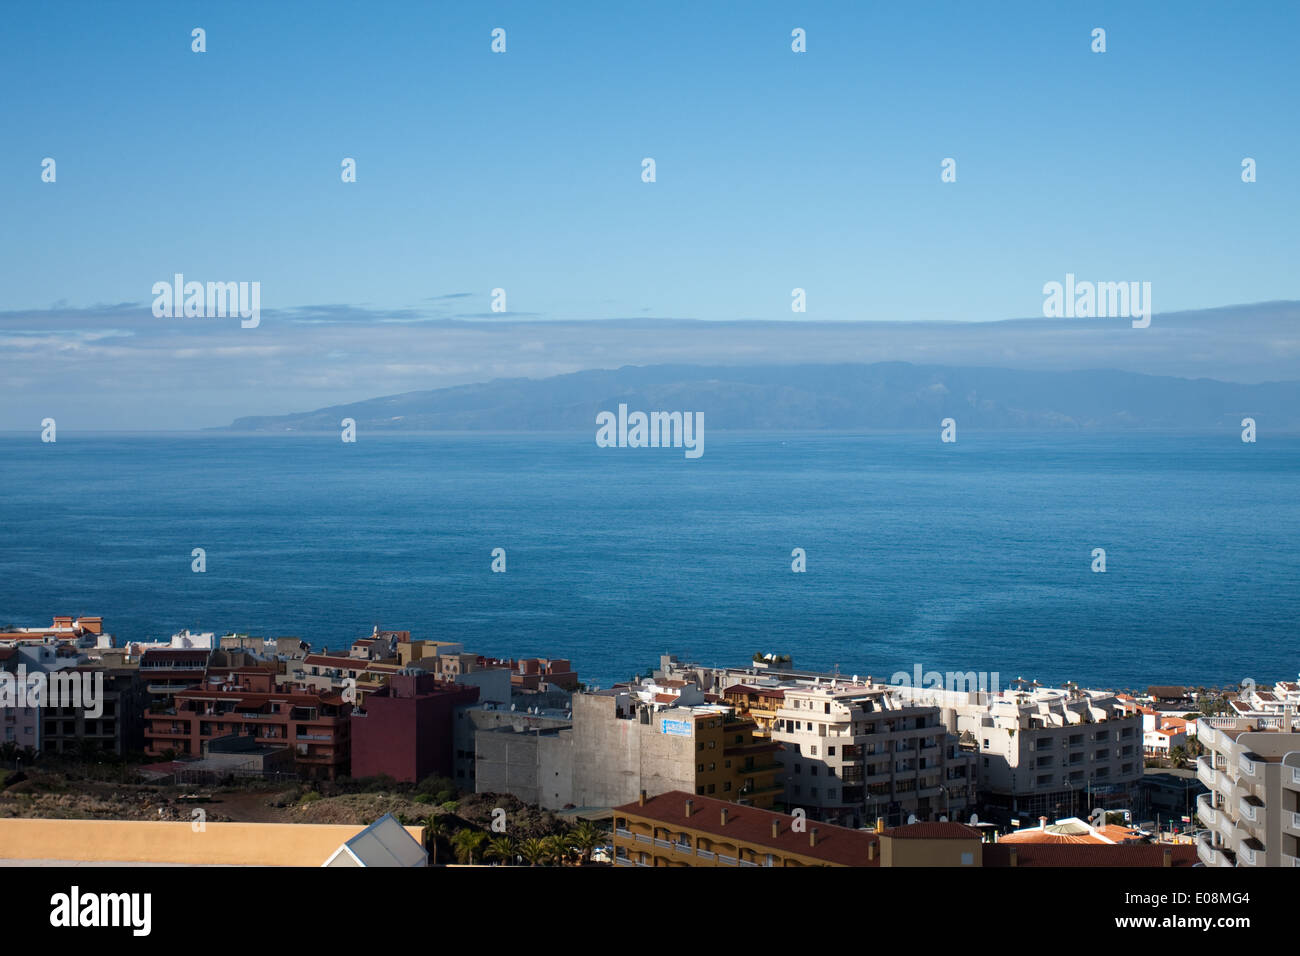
(885, 395)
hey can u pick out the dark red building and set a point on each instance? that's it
(405, 729)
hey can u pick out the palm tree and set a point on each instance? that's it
(438, 829)
(1179, 756)
(557, 848)
(533, 851)
(468, 844)
(586, 836)
(502, 848)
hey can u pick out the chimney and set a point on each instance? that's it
(880, 824)
(871, 850)
(776, 829)
(1042, 823)
(724, 816)
(1014, 856)
(690, 808)
(812, 837)
(1167, 858)
(641, 801)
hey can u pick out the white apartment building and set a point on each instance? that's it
(1252, 812)
(851, 754)
(1043, 751)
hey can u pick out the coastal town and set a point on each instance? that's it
(398, 750)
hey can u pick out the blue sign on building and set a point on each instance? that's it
(678, 728)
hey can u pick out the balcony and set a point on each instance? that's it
(1289, 860)
(1250, 807)
(1250, 851)
(1226, 825)
(1291, 823)
(1209, 816)
(1205, 771)
(1208, 853)
(1248, 767)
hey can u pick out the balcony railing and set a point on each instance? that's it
(1250, 807)
(1209, 816)
(1205, 771)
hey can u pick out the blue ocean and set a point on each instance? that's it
(969, 556)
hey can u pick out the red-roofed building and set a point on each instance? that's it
(248, 702)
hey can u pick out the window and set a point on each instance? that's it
(713, 744)
(726, 787)
(798, 769)
(712, 788)
(712, 767)
(812, 769)
(830, 751)
(726, 764)
(813, 750)
(699, 768)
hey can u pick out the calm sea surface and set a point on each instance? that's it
(974, 556)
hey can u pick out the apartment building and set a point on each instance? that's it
(1251, 766)
(852, 754)
(167, 671)
(678, 829)
(1043, 751)
(681, 829)
(20, 725)
(80, 631)
(354, 676)
(248, 702)
(405, 729)
(117, 729)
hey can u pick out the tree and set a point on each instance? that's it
(502, 848)
(1179, 756)
(468, 844)
(586, 837)
(438, 828)
(534, 851)
(557, 849)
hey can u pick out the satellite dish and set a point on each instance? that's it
(911, 818)
(974, 819)
(943, 819)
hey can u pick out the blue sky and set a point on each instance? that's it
(522, 171)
